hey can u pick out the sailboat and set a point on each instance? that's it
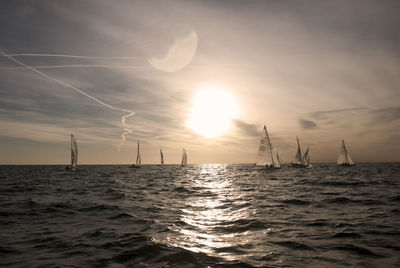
(266, 155)
(138, 158)
(74, 153)
(184, 158)
(306, 158)
(161, 158)
(299, 159)
(344, 158)
(278, 158)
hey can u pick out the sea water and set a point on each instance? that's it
(200, 216)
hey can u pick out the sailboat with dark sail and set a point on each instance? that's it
(161, 159)
(184, 158)
(74, 154)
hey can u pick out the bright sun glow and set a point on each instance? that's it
(212, 112)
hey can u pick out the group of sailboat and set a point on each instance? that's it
(138, 163)
(139, 160)
(267, 156)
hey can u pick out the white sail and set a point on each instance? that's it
(184, 158)
(306, 157)
(279, 159)
(74, 153)
(138, 158)
(161, 158)
(298, 159)
(344, 156)
(264, 153)
(276, 161)
(349, 160)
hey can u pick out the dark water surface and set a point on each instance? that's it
(200, 216)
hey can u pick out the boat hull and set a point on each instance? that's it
(272, 167)
(268, 167)
(69, 168)
(134, 166)
(299, 165)
(346, 165)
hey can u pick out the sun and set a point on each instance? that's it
(212, 111)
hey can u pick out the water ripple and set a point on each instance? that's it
(200, 216)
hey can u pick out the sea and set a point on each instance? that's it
(200, 216)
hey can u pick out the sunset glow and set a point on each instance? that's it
(212, 111)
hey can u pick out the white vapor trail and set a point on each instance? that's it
(67, 56)
(106, 66)
(123, 118)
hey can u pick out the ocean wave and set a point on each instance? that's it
(318, 222)
(347, 235)
(299, 202)
(99, 208)
(294, 245)
(235, 216)
(239, 226)
(358, 250)
(338, 200)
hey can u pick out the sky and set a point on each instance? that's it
(200, 75)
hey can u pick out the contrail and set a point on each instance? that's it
(123, 118)
(66, 56)
(75, 66)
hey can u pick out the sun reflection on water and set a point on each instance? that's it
(207, 221)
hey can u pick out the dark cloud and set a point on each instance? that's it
(387, 114)
(246, 128)
(382, 115)
(307, 124)
(327, 113)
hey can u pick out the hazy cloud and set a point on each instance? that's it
(307, 124)
(327, 113)
(247, 128)
(387, 114)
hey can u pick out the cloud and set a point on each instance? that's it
(246, 128)
(387, 114)
(307, 124)
(327, 113)
(368, 115)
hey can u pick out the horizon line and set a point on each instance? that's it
(193, 164)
